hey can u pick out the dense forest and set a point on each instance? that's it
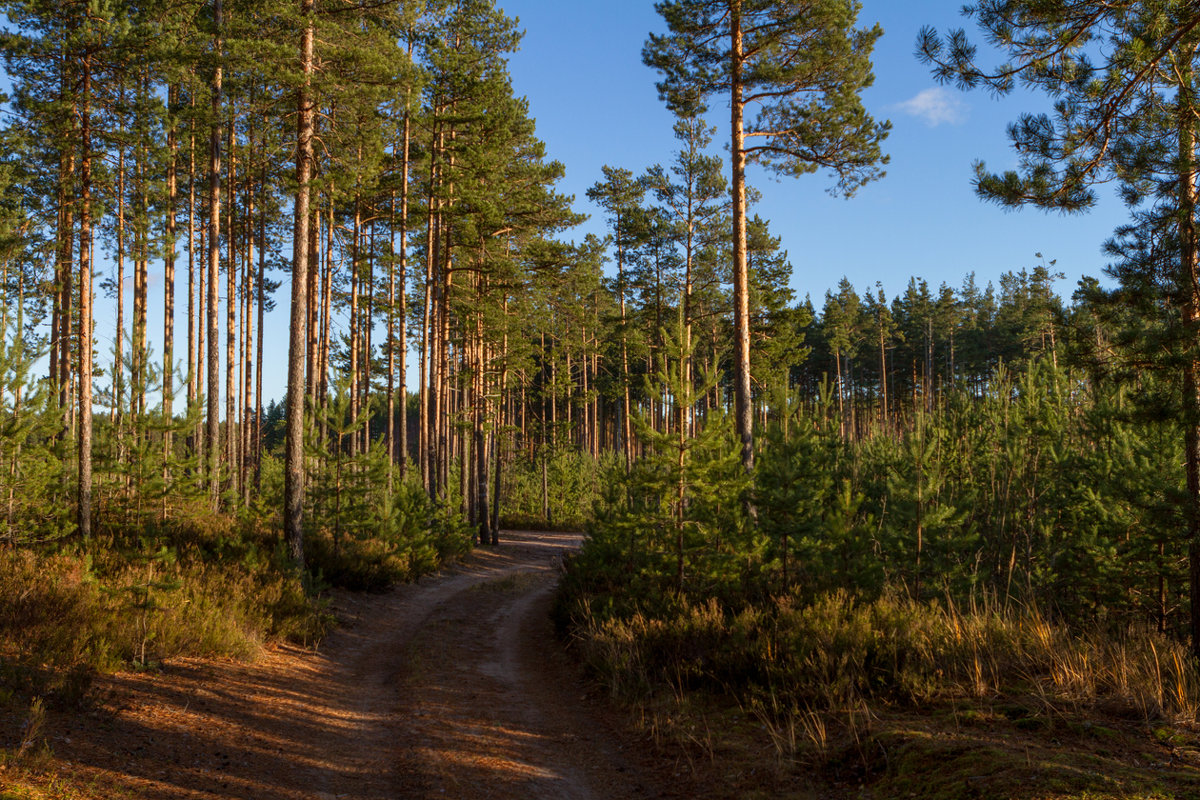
(754, 468)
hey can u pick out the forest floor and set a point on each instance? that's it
(453, 687)
(456, 687)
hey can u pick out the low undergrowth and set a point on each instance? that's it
(838, 652)
(399, 544)
(68, 613)
(888, 696)
(193, 583)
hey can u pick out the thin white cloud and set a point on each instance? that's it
(935, 106)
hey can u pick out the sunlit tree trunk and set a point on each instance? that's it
(389, 434)
(368, 325)
(232, 435)
(425, 445)
(85, 302)
(260, 296)
(294, 456)
(402, 311)
(743, 412)
(168, 378)
(323, 341)
(119, 337)
(245, 408)
(141, 279)
(213, 437)
(195, 311)
(355, 342)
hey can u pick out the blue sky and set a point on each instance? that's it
(595, 103)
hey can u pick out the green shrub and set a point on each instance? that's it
(573, 482)
(400, 538)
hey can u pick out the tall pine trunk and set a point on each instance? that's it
(213, 434)
(403, 280)
(168, 377)
(260, 296)
(294, 456)
(66, 238)
(390, 427)
(85, 302)
(626, 415)
(232, 438)
(193, 318)
(1186, 101)
(743, 413)
(425, 432)
(355, 343)
(141, 276)
(245, 409)
(119, 338)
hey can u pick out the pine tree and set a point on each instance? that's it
(694, 192)
(883, 334)
(793, 486)
(620, 195)
(776, 323)
(842, 320)
(802, 63)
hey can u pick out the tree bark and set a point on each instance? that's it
(258, 343)
(294, 455)
(141, 279)
(427, 368)
(390, 429)
(65, 282)
(368, 325)
(246, 371)
(119, 344)
(232, 434)
(194, 348)
(626, 418)
(497, 439)
(85, 303)
(1191, 317)
(743, 415)
(213, 437)
(403, 279)
(321, 340)
(168, 377)
(356, 326)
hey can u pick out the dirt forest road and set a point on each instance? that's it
(451, 688)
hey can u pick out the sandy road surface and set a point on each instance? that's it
(451, 688)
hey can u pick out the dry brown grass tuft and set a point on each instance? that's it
(911, 699)
(837, 654)
(63, 616)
